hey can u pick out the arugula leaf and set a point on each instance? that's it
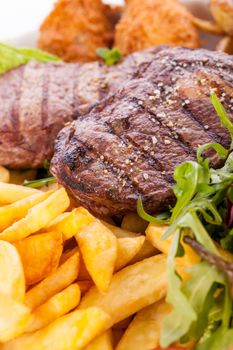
(159, 220)
(220, 110)
(190, 178)
(40, 182)
(221, 151)
(12, 57)
(110, 56)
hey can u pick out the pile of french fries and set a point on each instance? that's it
(70, 281)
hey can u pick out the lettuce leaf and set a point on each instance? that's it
(12, 57)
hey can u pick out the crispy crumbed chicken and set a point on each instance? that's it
(147, 23)
(75, 29)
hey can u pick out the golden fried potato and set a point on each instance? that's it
(102, 342)
(222, 11)
(10, 193)
(98, 246)
(12, 281)
(147, 249)
(17, 210)
(70, 332)
(54, 283)
(37, 217)
(155, 22)
(119, 232)
(145, 252)
(57, 306)
(144, 331)
(131, 289)
(71, 223)
(40, 255)
(14, 317)
(127, 248)
(154, 233)
(75, 29)
(4, 174)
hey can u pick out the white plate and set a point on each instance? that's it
(198, 7)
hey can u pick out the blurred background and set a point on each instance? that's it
(18, 17)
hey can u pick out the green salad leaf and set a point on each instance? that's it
(159, 219)
(11, 57)
(220, 110)
(110, 56)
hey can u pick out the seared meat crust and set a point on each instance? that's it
(129, 144)
(37, 100)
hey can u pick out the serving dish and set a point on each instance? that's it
(130, 211)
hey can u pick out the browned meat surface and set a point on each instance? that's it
(37, 100)
(129, 144)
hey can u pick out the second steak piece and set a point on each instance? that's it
(129, 144)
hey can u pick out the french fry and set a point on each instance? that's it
(11, 193)
(154, 234)
(71, 223)
(145, 252)
(40, 255)
(57, 306)
(37, 217)
(54, 283)
(131, 289)
(147, 249)
(127, 248)
(70, 332)
(85, 286)
(14, 317)
(144, 331)
(18, 177)
(17, 210)
(119, 232)
(12, 281)
(132, 222)
(4, 174)
(102, 342)
(98, 246)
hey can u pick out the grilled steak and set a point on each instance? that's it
(37, 100)
(129, 144)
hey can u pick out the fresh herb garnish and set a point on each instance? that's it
(204, 211)
(110, 56)
(159, 219)
(11, 57)
(40, 182)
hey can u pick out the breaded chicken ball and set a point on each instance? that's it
(146, 23)
(75, 29)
